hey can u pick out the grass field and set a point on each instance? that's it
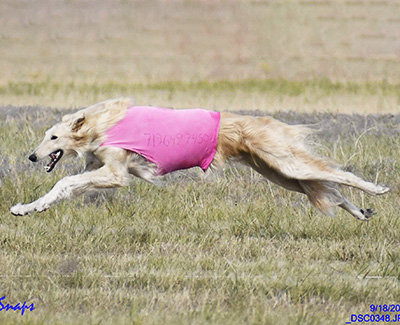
(230, 248)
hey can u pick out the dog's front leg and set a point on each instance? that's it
(92, 162)
(71, 186)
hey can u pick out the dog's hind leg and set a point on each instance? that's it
(319, 186)
(325, 196)
(349, 179)
(273, 176)
(356, 212)
(301, 165)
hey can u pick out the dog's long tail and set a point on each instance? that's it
(280, 145)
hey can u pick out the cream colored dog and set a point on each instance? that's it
(274, 149)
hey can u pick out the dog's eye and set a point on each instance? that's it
(54, 137)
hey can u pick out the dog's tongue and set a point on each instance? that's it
(49, 167)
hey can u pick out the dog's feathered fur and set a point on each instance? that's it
(274, 149)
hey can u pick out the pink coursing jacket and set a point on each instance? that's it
(172, 139)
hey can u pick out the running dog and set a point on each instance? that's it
(120, 139)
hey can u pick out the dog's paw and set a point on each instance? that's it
(373, 189)
(368, 213)
(364, 215)
(19, 210)
(23, 209)
(381, 189)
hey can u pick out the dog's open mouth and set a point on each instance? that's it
(55, 157)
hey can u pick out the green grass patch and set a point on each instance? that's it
(269, 86)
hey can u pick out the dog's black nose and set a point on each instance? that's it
(33, 157)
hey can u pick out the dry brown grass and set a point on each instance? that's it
(229, 249)
(185, 40)
(234, 251)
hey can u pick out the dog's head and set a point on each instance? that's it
(81, 132)
(59, 141)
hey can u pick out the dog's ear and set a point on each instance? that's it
(77, 123)
(74, 121)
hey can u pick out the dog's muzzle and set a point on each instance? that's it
(33, 157)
